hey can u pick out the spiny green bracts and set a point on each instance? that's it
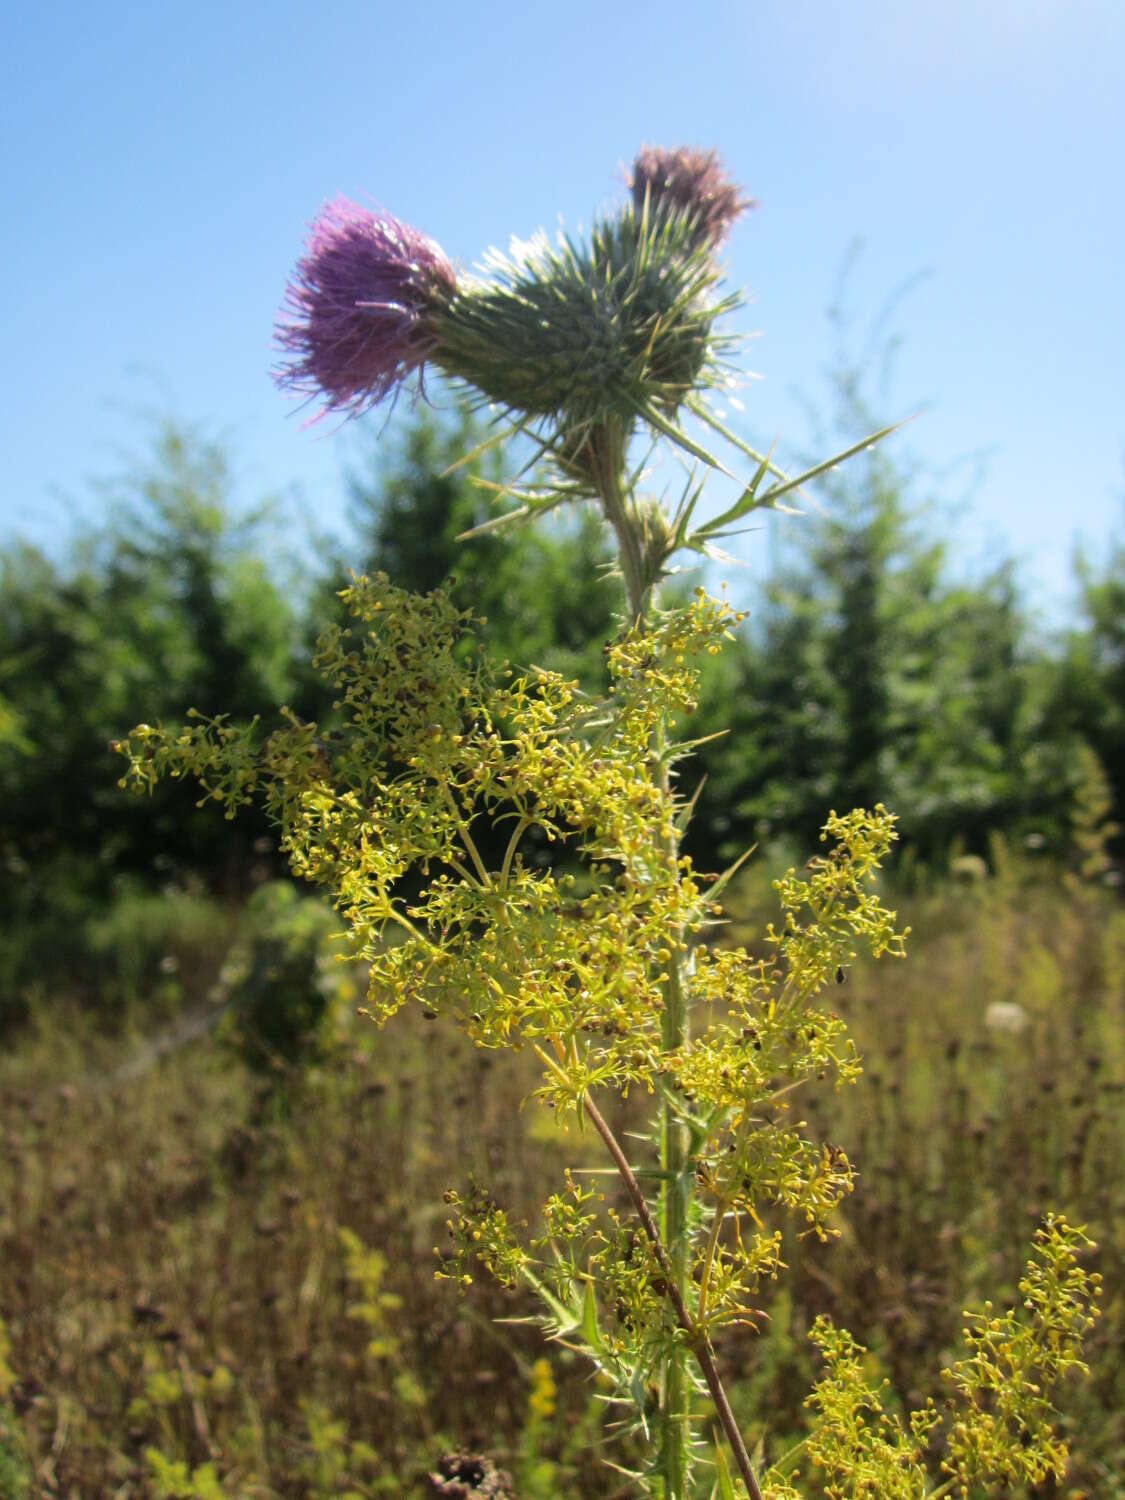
(583, 334)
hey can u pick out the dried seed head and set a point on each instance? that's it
(463, 1476)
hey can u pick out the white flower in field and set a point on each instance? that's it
(1006, 1016)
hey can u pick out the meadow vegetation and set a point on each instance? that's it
(219, 1269)
(220, 1191)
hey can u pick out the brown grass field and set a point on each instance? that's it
(204, 1276)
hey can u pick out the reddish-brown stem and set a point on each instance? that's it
(698, 1340)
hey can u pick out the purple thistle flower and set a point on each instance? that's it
(691, 182)
(354, 320)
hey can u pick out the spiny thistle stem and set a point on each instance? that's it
(675, 1201)
(607, 451)
(697, 1338)
(609, 448)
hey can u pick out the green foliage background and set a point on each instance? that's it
(869, 670)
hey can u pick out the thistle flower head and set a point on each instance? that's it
(689, 182)
(578, 332)
(355, 320)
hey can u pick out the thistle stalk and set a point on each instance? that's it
(697, 1337)
(608, 452)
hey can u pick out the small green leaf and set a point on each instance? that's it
(682, 440)
(745, 503)
(686, 810)
(684, 512)
(751, 500)
(730, 871)
(507, 519)
(478, 452)
(562, 1315)
(724, 1484)
(590, 1330)
(637, 1391)
(705, 414)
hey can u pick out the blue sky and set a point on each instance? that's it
(160, 164)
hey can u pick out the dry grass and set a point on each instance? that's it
(172, 1272)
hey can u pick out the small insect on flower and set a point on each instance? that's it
(355, 321)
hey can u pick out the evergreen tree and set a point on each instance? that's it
(1086, 693)
(170, 603)
(545, 592)
(868, 674)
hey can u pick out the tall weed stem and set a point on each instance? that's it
(670, 1241)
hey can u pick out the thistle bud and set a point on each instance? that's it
(691, 183)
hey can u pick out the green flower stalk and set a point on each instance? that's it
(597, 963)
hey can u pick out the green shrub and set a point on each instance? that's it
(152, 952)
(279, 980)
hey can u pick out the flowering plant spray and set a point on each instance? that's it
(597, 350)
